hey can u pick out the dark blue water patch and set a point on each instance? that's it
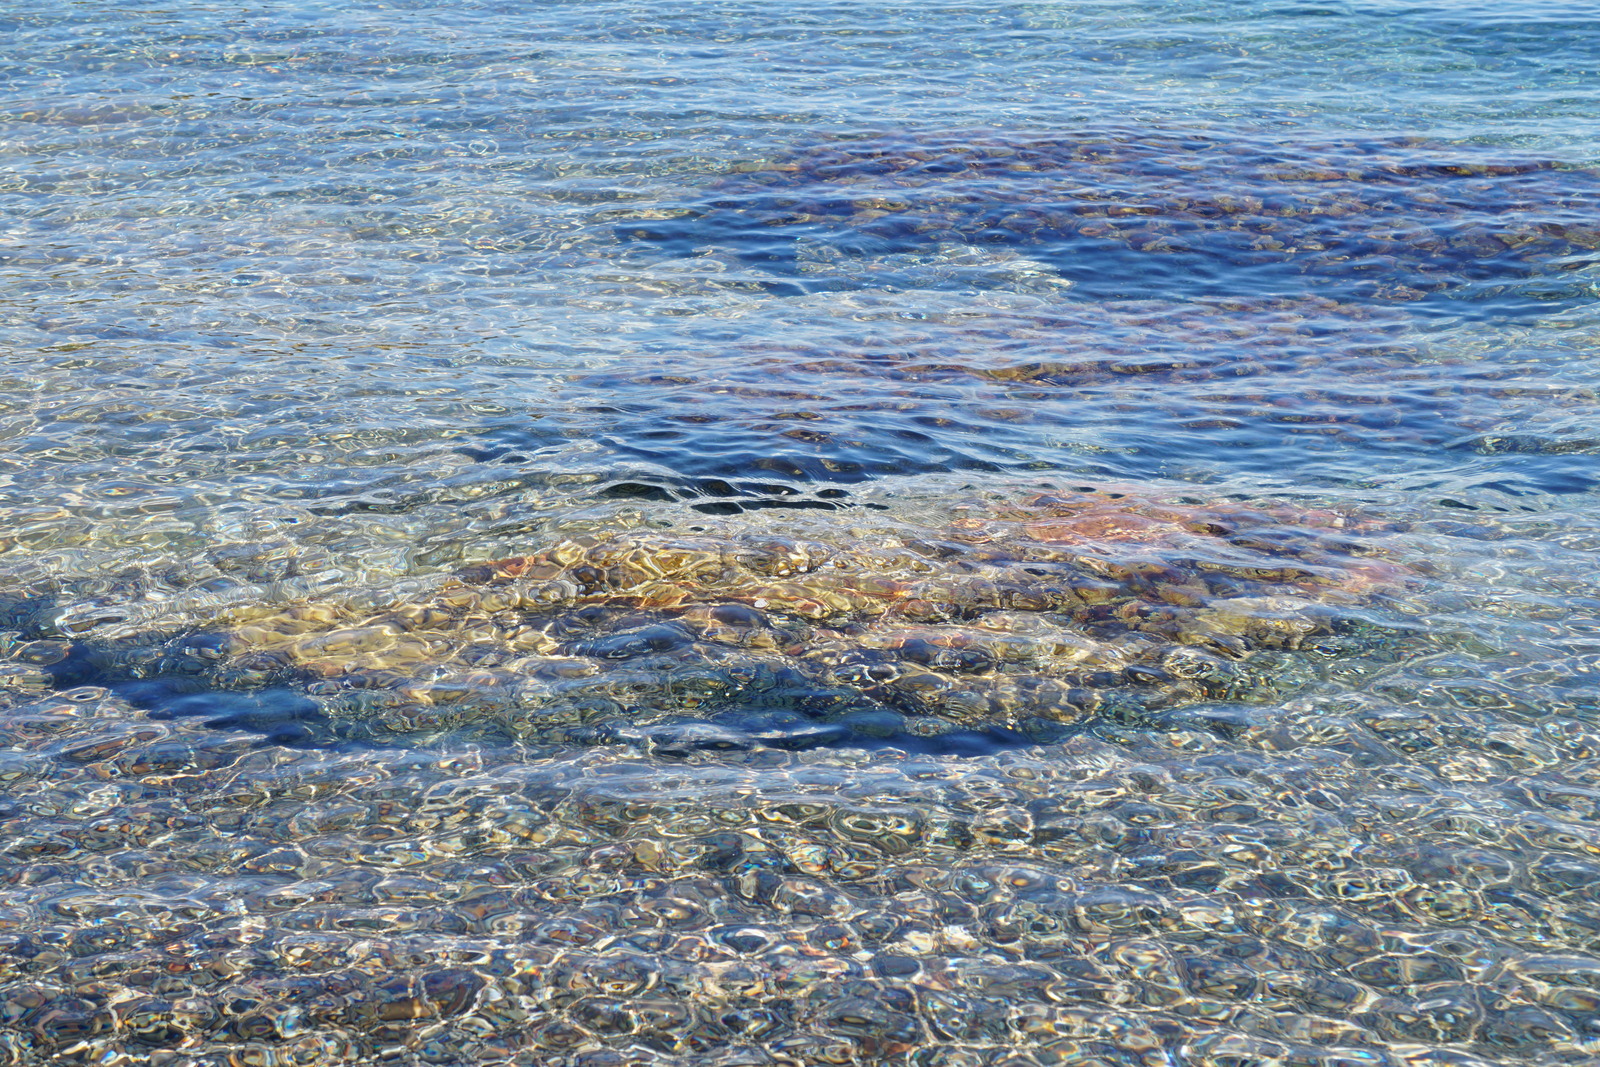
(728, 457)
(659, 637)
(163, 677)
(516, 442)
(281, 716)
(1554, 475)
(751, 426)
(1145, 212)
(1535, 36)
(753, 452)
(28, 615)
(290, 717)
(714, 486)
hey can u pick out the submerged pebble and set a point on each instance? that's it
(547, 542)
(637, 839)
(1296, 887)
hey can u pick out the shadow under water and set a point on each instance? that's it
(1130, 389)
(1242, 300)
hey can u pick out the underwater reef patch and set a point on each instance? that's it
(1151, 211)
(1009, 624)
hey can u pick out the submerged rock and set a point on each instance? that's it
(1009, 622)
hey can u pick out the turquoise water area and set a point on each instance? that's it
(796, 533)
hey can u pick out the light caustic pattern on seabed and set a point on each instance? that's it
(1383, 861)
(1128, 773)
(415, 650)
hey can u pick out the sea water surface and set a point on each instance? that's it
(800, 533)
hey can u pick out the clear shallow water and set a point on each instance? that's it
(307, 314)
